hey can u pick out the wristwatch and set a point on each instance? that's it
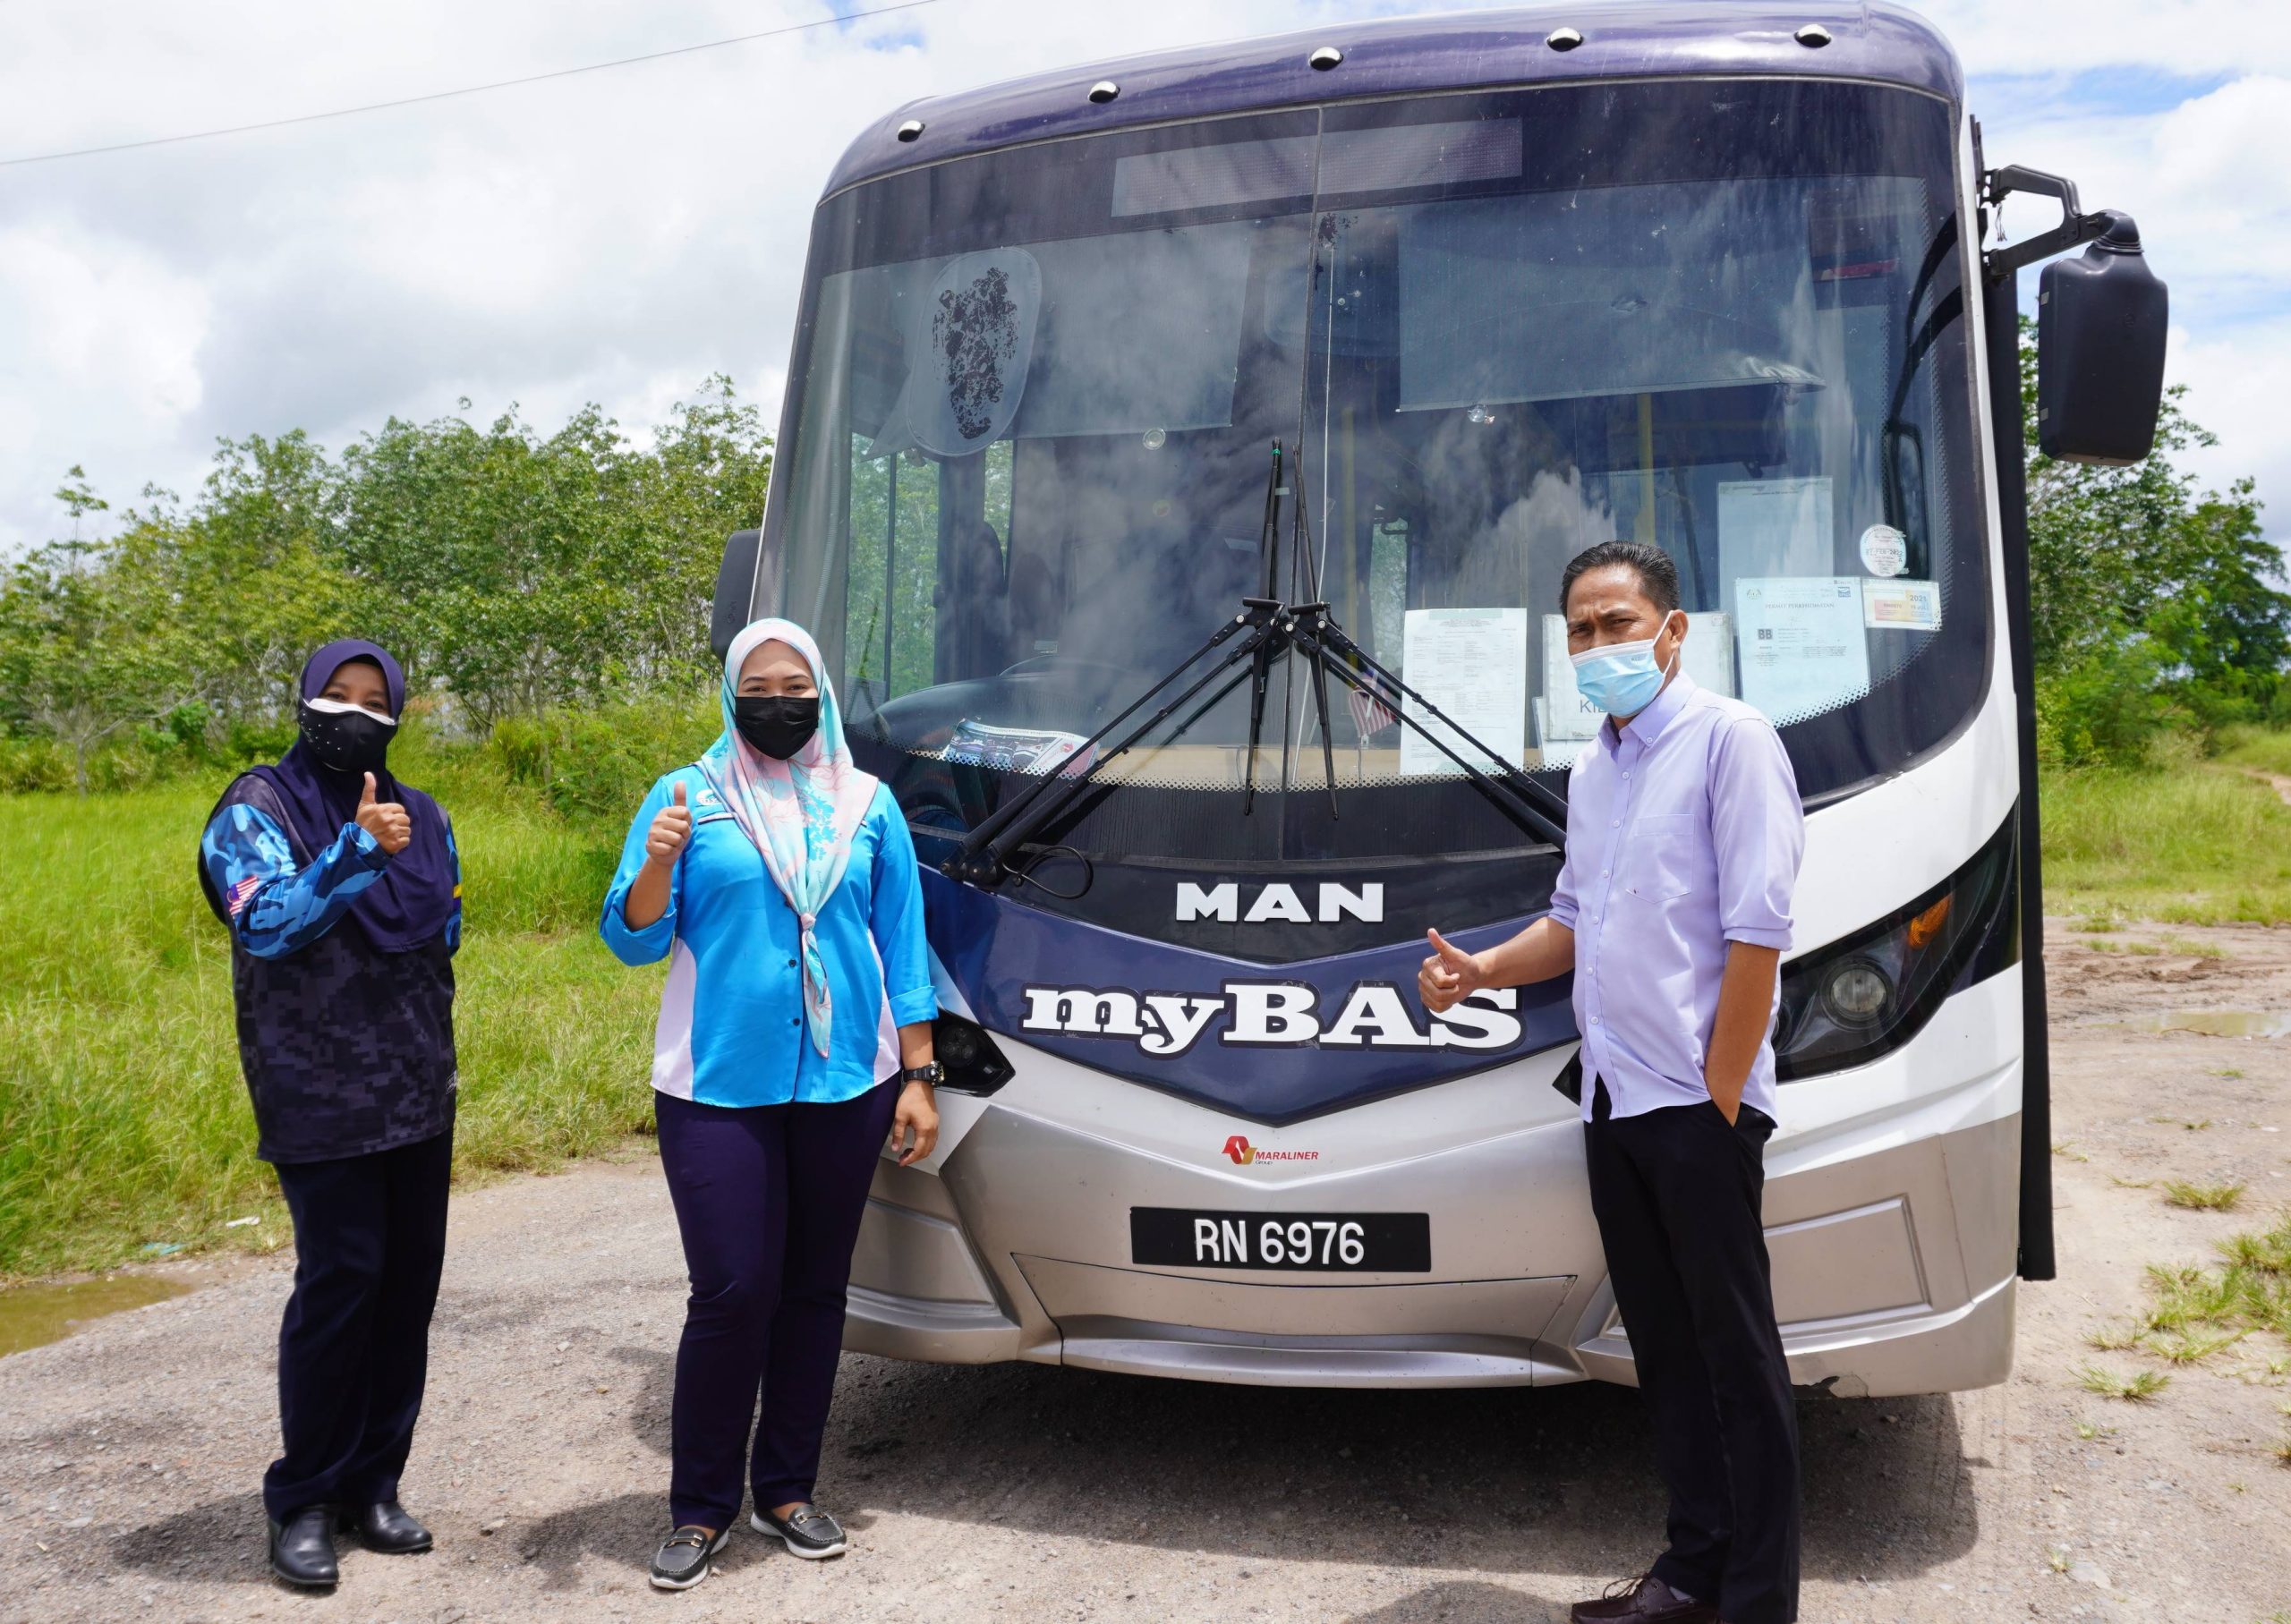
(930, 1072)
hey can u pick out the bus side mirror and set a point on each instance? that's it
(2100, 321)
(735, 604)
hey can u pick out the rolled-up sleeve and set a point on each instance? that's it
(1757, 827)
(896, 918)
(651, 944)
(1564, 888)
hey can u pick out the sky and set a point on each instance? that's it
(618, 236)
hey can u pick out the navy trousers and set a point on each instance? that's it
(769, 1200)
(353, 1350)
(1677, 1193)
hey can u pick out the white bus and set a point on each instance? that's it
(1178, 459)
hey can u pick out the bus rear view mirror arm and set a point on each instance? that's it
(2101, 319)
(2075, 228)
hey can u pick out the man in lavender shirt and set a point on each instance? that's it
(1672, 908)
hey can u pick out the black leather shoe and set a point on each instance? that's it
(385, 1526)
(1646, 1599)
(302, 1549)
(807, 1531)
(687, 1556)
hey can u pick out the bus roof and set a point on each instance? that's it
(1400, 55)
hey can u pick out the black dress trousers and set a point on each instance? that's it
(369, 1244)
(1677, 1193)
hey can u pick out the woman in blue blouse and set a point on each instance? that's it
(340, 888)
(795, 1036)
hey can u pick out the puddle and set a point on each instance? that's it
(2216, 1023)
(30, 1315)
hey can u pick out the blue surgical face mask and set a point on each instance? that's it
(1621, 678)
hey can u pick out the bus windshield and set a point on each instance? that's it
(1026, 461)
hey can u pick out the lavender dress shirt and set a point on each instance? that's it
(1683, 834)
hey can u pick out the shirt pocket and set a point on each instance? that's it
(1662, 857)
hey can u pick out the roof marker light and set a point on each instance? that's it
(1104, 92)
(1813, 36)
(911, 128)
(1325, 58)
(1563, 39)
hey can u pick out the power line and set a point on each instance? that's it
(498, 84)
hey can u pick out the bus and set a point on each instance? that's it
(1177, 465)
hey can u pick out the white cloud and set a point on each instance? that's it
(2155, 37)
(2206, 180)
(618, 236)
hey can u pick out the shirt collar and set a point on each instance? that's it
(1647, 726)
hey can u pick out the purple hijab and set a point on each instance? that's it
(412, 900)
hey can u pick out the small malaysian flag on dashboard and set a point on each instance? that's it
(1372, 711)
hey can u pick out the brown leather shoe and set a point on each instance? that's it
(1646, 1599)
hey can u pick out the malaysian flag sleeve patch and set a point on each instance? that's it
(241, 892)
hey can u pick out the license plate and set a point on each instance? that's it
(1380, 1243)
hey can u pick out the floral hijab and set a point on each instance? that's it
(801, 814)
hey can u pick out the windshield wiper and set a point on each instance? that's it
(1312, 632)
(985, 857)
(1274, 630)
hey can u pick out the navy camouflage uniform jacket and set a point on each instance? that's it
(347, 1049)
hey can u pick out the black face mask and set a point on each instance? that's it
(347, 740)
(778, 725)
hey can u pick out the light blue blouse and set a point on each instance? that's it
(731, 1029)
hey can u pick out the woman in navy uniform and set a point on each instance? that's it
(340, 888)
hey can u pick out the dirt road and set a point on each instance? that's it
(129, 1454)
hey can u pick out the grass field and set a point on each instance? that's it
(124, 1122)
(2196, 842)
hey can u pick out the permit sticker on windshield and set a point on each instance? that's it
(1473, 665)
(1803, 650)
(1904, 605)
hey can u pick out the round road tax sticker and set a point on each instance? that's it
(1884, 551)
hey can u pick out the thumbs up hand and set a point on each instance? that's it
(385, 821)
(1448, 974)
(671, 830)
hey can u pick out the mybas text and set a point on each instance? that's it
(1273, 1014)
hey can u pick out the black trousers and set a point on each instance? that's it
(353, 1351)
(769, 1200)
(1677, 1193)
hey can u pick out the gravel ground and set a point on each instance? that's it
(130, 1453)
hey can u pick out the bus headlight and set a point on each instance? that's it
(1856, 993)
(1859, 998)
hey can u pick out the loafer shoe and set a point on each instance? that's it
(386, 1527)
(1646, 1599)
(807, 1531)
(687, 1556)
(302, 1549)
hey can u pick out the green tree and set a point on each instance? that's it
(251, 573)
(84, 654)
(2140, 582)
(512, 571)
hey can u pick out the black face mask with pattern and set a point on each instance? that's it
(778, 724)
(346, 738)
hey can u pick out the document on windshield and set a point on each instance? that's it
(1803, 650)
(1473, 665)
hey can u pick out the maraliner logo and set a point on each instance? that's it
(1272, 1015)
